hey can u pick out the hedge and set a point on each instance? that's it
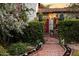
(69, 31)
(36, 32)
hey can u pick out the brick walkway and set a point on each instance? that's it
(50, 48)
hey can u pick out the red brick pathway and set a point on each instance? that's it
(50, 48)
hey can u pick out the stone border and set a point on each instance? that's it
(66, 48)
(72, 52)
(32, 51)
(63, 47)
(68, 51)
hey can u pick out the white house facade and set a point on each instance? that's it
(32, 14)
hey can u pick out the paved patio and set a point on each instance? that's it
(50, 48)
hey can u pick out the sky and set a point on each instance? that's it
(56, 5)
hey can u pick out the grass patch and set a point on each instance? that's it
(75, 53)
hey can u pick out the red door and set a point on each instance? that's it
(47, 26)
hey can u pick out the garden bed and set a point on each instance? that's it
(16, 31)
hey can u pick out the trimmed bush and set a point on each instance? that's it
(32, 33)
(18, 48)
(69, 31)
(36, 32)
(3, 52)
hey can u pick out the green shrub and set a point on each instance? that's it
(31, 34)
(36, 32)
(18, 48)
(69, 31)
(3, 52)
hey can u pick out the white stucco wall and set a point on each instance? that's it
(34, 6)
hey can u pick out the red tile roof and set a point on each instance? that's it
(55, 10)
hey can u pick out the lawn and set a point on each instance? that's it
(75, 53)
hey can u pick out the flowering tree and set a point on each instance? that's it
(13, 18)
